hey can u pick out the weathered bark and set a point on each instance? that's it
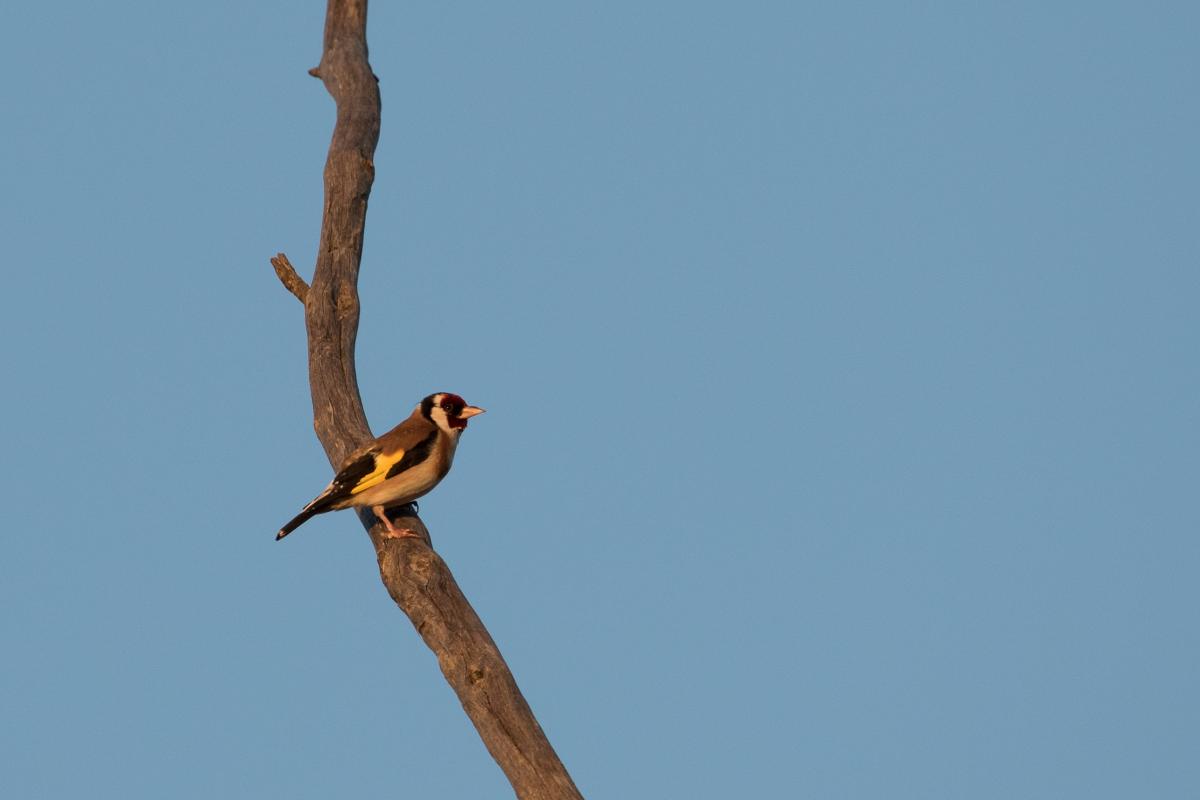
(415, 576)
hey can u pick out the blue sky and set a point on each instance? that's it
(842, 374)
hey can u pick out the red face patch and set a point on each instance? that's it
(453, 405)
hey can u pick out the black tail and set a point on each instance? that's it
(322, 504)
(324, 501)
(298, 520)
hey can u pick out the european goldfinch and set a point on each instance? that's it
(398, 467)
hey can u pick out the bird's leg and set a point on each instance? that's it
(392, 532)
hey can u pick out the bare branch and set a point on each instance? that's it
(288, 276)
(414, 575)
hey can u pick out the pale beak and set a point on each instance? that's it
(469, 412)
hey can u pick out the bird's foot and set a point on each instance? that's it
(392, 532)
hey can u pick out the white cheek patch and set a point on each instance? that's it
(438, 415)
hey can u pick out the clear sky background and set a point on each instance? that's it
(842, 371)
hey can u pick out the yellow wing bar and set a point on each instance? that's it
(383, 462)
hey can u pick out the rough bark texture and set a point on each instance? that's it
(415, 576)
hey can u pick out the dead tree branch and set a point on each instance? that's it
(288, 276)
(414, 575)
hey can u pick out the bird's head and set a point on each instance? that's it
(448, 411)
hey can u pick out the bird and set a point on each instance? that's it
(398, 467)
